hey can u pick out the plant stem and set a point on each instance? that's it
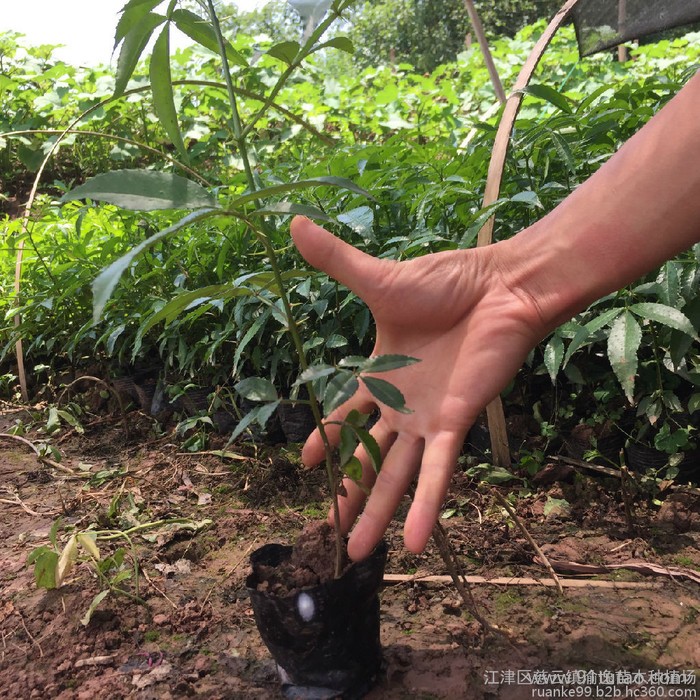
(235, 116)
(240, 135)
(331, 471)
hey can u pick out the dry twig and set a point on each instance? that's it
(529, 538)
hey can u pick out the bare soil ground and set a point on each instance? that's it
(194, 634)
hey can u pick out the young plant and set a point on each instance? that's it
(53, 564)
(259, 210)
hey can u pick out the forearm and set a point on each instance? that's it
(641, 208)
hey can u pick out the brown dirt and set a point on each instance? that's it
(194, 636)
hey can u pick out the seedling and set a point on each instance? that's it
(53, 564)
(258, 210)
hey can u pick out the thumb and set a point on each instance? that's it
(358, 271)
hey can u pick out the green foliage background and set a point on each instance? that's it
(418, 141)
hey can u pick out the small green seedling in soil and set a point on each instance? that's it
(53, 564)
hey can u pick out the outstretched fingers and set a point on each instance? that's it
(438, 464)
(397, 472)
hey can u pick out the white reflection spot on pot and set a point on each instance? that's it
(306, 607)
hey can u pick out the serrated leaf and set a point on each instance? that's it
(85, 619)
(580, 337)
(338, 390)
(132, 14)
(257, 389)
(386, 363)
(553, 356)
(673, 318)
(360, 220)
(135, 41)
(623, 343)
(201, 31)
(386, 393)
(602, 320)
(549, 94)
(162, 90)
(315, 372)
(143, 190)
(285, 51)
(107, 280)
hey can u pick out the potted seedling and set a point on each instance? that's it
(321, 622)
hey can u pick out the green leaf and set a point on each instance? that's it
(371, 447)
(315, 372)
(623, 343)
(132, 14)
(106, 281)
(386, 393)
(143, 190)
(386, 363)
(85, 619)
(553, 355)
(348, 443)
(45, 562)
(694, 403)
(360, 220)
(353, 469)
(135, 41)
(673, 318)
(549, 94)
(556, 506)
(53, 533)
(260, 414)
(201, 31)
(285, 51)
(188, 300)
(290, 208)
(342, 43)
(162, 89)
(338, 390)
(527, 197)
(602, 320)
(275, 190)
(257, 389)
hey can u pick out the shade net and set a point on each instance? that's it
(602, 24)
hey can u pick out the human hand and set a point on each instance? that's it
(459, 313)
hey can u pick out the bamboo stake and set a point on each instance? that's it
(494, 411)
(486, 52)
(519, 581)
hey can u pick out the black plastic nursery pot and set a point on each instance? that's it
(325, 638)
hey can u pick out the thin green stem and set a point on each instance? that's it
(109, 535)
(239, 134)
